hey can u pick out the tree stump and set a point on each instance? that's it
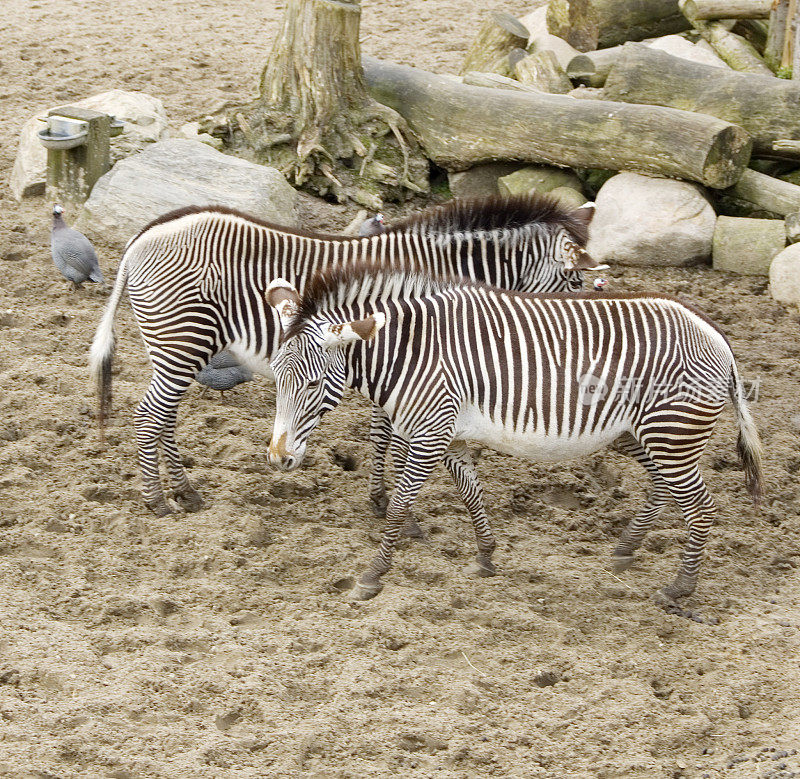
(314, 119)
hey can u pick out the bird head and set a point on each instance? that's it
(599, 284)
(379, 218)
(57, 209)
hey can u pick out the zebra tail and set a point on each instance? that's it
(101, 353)
(748, 444)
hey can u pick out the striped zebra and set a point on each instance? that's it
(197, 277)
(545, 377)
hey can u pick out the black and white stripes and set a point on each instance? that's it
(547, 377)
(197, 279)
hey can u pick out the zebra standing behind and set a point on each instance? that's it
(544, 377)
(197, 277)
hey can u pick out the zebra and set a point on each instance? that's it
(196, 278)
(546, 377)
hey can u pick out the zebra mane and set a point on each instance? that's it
(361, 282)
(497, 213)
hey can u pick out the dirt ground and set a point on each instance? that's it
(220, 644)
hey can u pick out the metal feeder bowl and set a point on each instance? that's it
(63, 133)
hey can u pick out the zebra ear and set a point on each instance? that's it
(584, 213)
(580, 259)
(360, 330)
(283, 297)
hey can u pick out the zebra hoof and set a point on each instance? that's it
(190, 499)
(160, 508)
(412, 530)
(672, 592)
(364, 591)
(379, 505)
(480, 569)
(620, 563)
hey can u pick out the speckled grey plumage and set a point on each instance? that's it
(73, 253)
(372, 226)
(224, 372)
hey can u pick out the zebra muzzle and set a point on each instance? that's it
(283, 459)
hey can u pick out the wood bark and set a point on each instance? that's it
(727, 9)
(460, 126)
(542, 71)
(773, 48)
(765, 106)
(476, 78)
(561, 49)
(314, 119)
(754, 31)
(599, 24)
(499, 34)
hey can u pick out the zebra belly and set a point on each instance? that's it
(257, 363)
(474, 425)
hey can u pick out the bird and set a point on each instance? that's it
(73, 253)
(372, 226)
(599, 284)
(223, 372)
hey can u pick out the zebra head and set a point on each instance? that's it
(310, 372)
(556, 255)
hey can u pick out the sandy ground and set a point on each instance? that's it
(219, 644)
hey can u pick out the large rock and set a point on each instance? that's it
(784, 276)
(145, 122)
(480, 180)
(641, 220)
(178, 173)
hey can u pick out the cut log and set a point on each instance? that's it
(732, 48)
(773, 48)
(535, 21)
(592, 67)
(678, 46)
(766, 193)
(460, 126)
(599, 24)
(727, 9)
(542, 71)
(765, 106)
(499, 34)
(546, 42)
(747, 246)
(754, 31)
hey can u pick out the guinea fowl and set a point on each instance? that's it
(222, 373)
(73, 253)
(372, 226)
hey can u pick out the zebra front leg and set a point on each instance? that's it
(633, 535)
(380, 434)
(423, 456)
(399, 448)
(458, 461)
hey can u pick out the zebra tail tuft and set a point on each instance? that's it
(101, 353)
(748, 443)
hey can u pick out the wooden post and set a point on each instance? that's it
(71, 173)
(776, 32)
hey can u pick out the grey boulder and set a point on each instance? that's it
(179, 173)
(643, 220)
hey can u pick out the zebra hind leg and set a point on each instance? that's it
(458, 461)
(380, 434)
(182, 490)
(155, 423)
(632, 537)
